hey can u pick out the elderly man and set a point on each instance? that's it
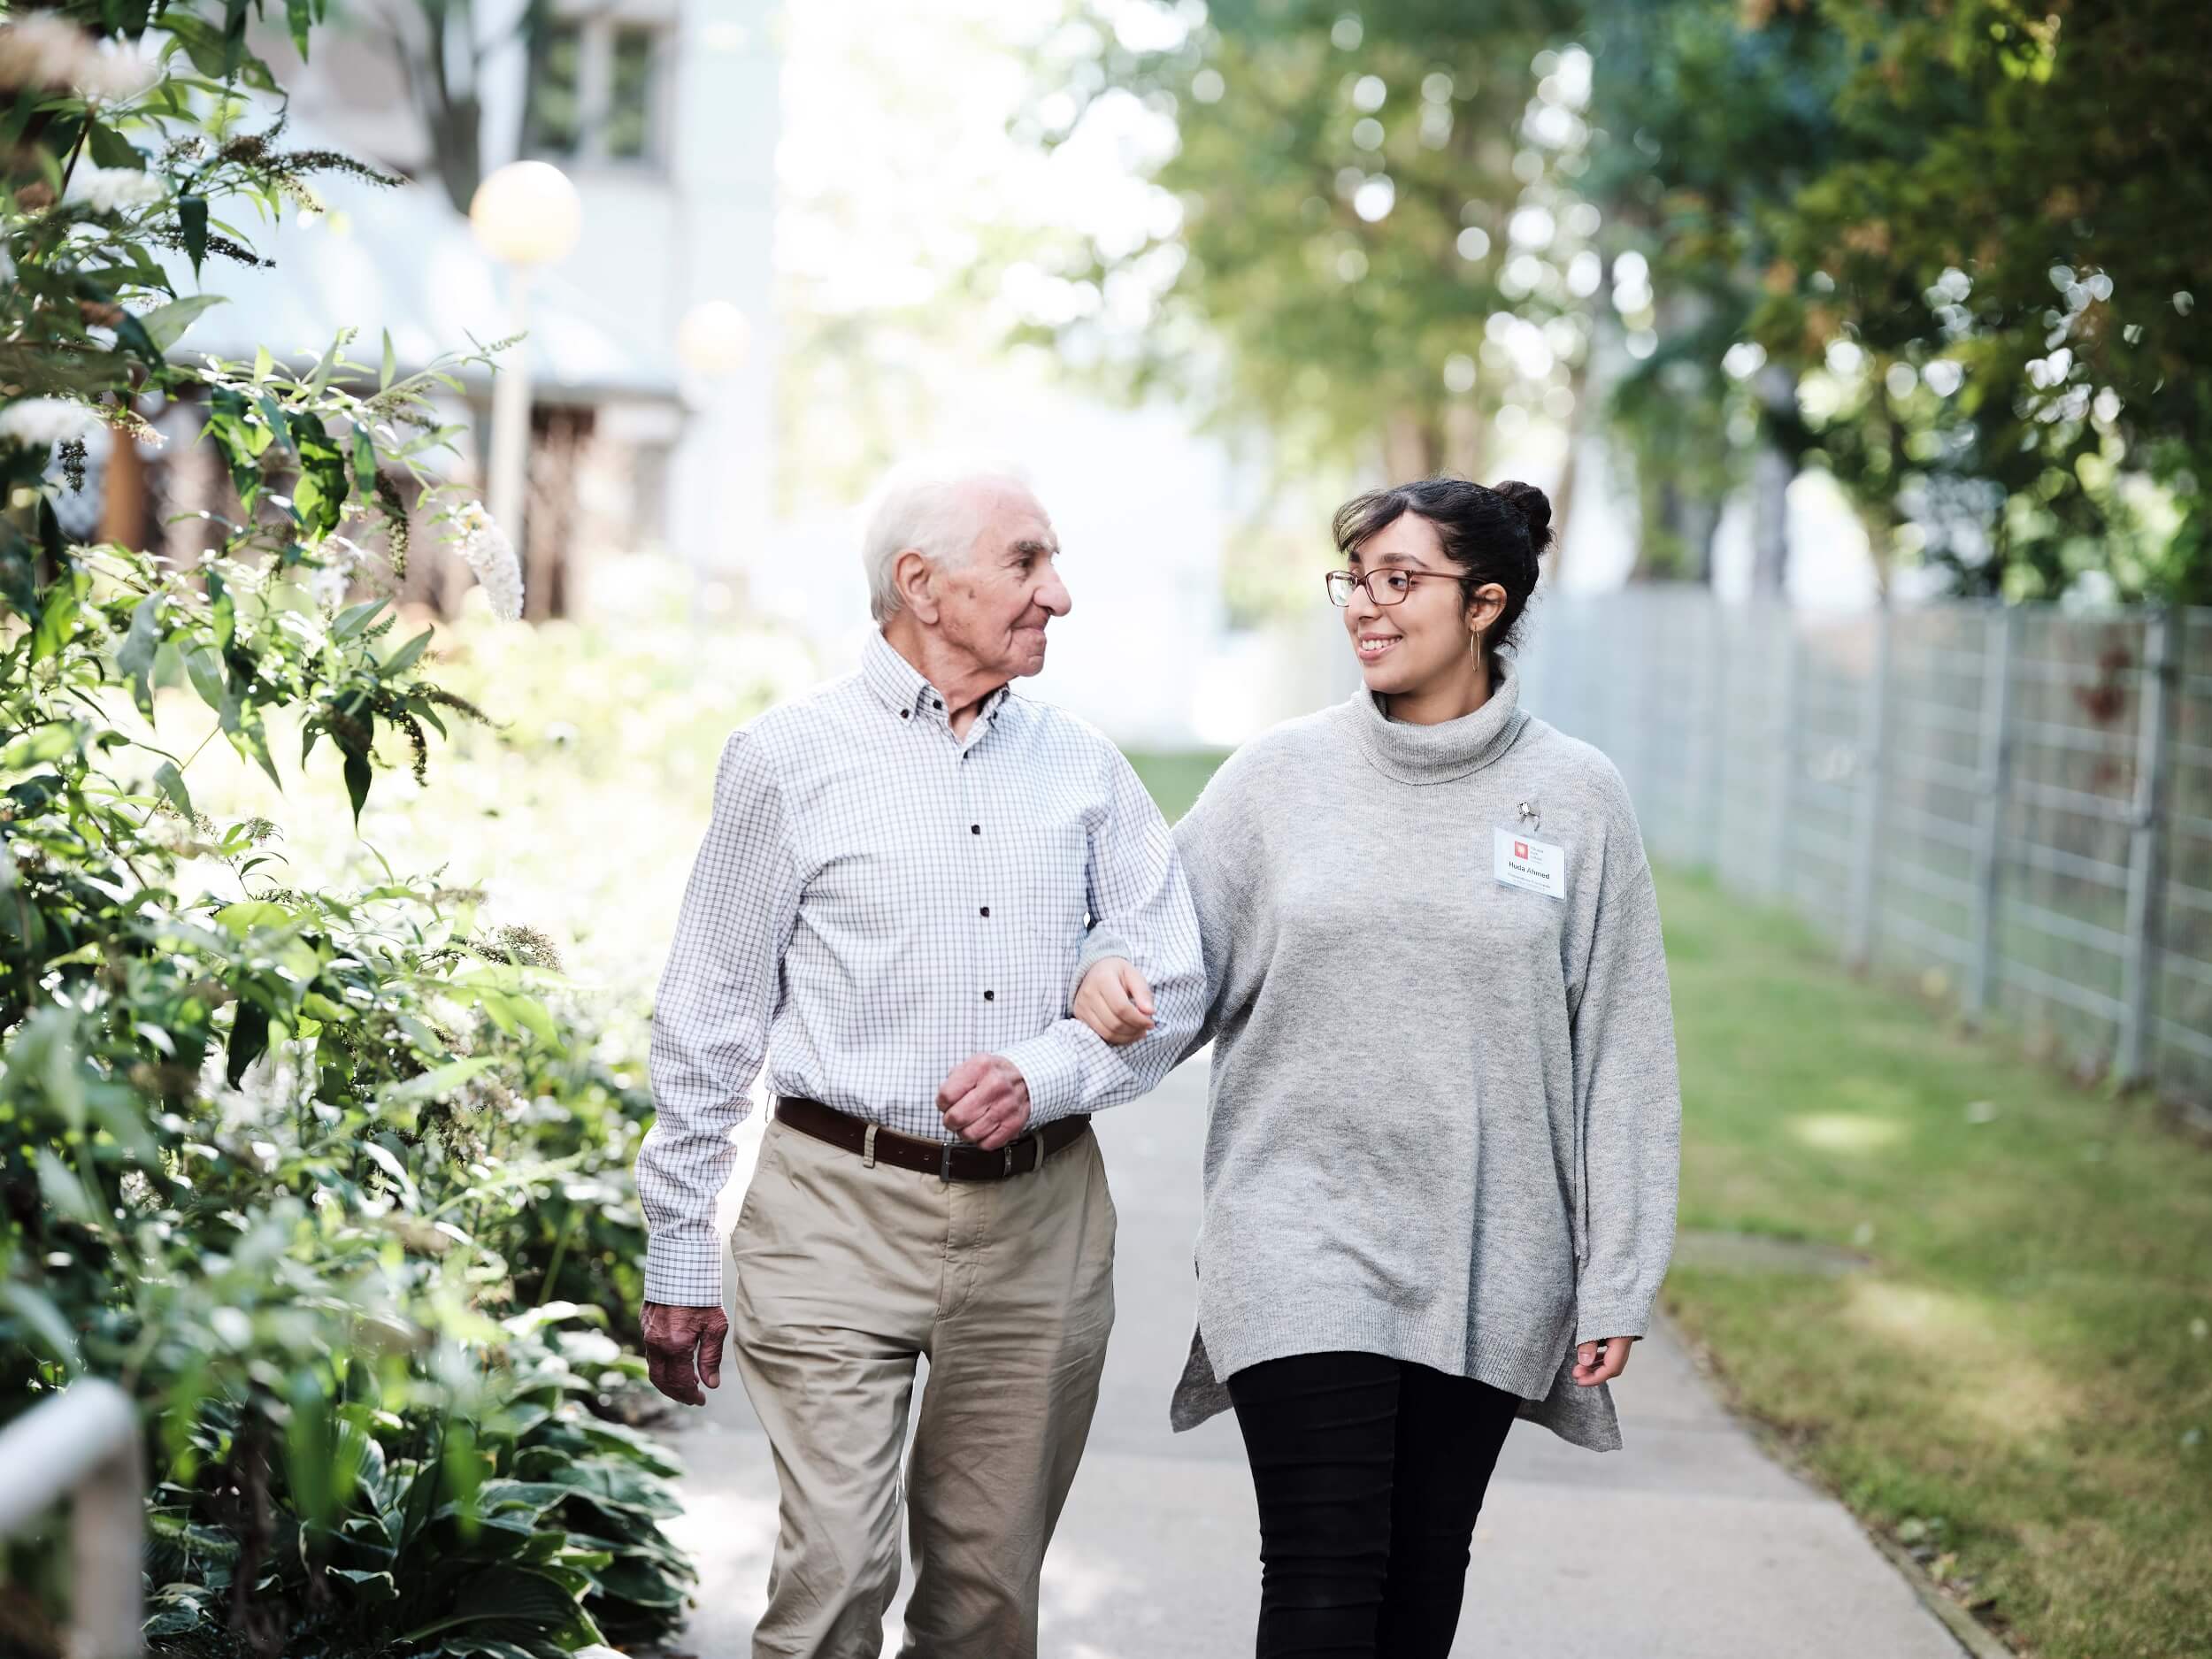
(888, 905)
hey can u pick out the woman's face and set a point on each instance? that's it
(1408, 646)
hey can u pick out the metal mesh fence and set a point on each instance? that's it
(2015, 802)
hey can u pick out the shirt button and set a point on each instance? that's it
(936, 703)
(990, 997)
(987, 909)
(975, 829)
(904, 713)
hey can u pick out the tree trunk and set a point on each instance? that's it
(1412, 446)
(1771, 471)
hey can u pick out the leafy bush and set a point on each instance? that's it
(332, 1180)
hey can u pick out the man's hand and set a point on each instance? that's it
(1115, 1002)
(986, 1101)
(1601, 1361)
(683, 1348)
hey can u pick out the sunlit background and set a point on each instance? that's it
(1856, 345)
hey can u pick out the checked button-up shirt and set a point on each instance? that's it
(877, 899)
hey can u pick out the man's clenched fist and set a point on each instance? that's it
(986, 1101)
(683, 1348)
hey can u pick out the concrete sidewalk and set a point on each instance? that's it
(1689, 1545)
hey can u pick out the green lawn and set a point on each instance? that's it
(2017, 1383)
(2022, 1377)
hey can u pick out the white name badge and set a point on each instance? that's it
(1522, 861)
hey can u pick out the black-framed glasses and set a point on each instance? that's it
(1385, 585)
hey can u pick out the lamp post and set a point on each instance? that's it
(713, 339)
(525, 214)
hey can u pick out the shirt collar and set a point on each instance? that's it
(899, 685)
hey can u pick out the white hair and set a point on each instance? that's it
(929, 504)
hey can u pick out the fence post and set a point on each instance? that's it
(1784, 732)
(2000, 642)
(83, 1444)
(2138, 971)
(1874, 758)
(1713, 789)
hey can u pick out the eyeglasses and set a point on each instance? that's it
(1385, 586)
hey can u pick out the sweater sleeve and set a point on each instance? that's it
(1628, 1097)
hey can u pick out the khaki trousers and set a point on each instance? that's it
(844, 1275)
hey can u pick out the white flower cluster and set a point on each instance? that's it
(330, 582)
(40, 423)
(114, 189)
(492, 556)
(44, 50)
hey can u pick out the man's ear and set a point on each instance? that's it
(915, 578)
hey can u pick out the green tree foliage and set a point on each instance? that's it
(329, 1179)
(1946, 250)
(1347, 180)
(2020, 192)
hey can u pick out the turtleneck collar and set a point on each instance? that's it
(1452, 748)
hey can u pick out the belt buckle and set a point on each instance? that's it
(944, 1164)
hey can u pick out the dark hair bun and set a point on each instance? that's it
(1534, 505)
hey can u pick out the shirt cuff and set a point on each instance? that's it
(1054, 1072)
(684, 1270)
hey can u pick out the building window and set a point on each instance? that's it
(629, 129)
(596, 90)
(553, 124)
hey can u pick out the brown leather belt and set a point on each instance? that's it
(946, 1160)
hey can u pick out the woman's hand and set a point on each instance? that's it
(1600, 1361)
(1115, 1002)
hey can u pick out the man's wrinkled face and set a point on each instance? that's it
(995, 605)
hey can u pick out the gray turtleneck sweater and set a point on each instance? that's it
(1444, 1116)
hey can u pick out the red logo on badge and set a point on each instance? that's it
(1520, 849)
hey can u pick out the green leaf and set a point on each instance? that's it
(356, 618)
(437, 1081)
(34, 748)
(60, 1185)
(172, 782)
(166, 325)
(363, 461)
(33, 1308)
(406, 657)
(357, 776)
(370, 1587)
(300, 15)
(109, 149)
(248, 914)
(205, 670)
(307, 1448)
(192, 221)
(56, 621)
(249, 1039)
(135, 658)
(391, 365)
(279, 424)
(131, 331)
(253, 743)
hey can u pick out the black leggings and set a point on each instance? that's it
(1369, 1473)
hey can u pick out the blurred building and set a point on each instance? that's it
(664, 113)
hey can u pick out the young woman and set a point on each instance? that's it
(1442, 1138)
